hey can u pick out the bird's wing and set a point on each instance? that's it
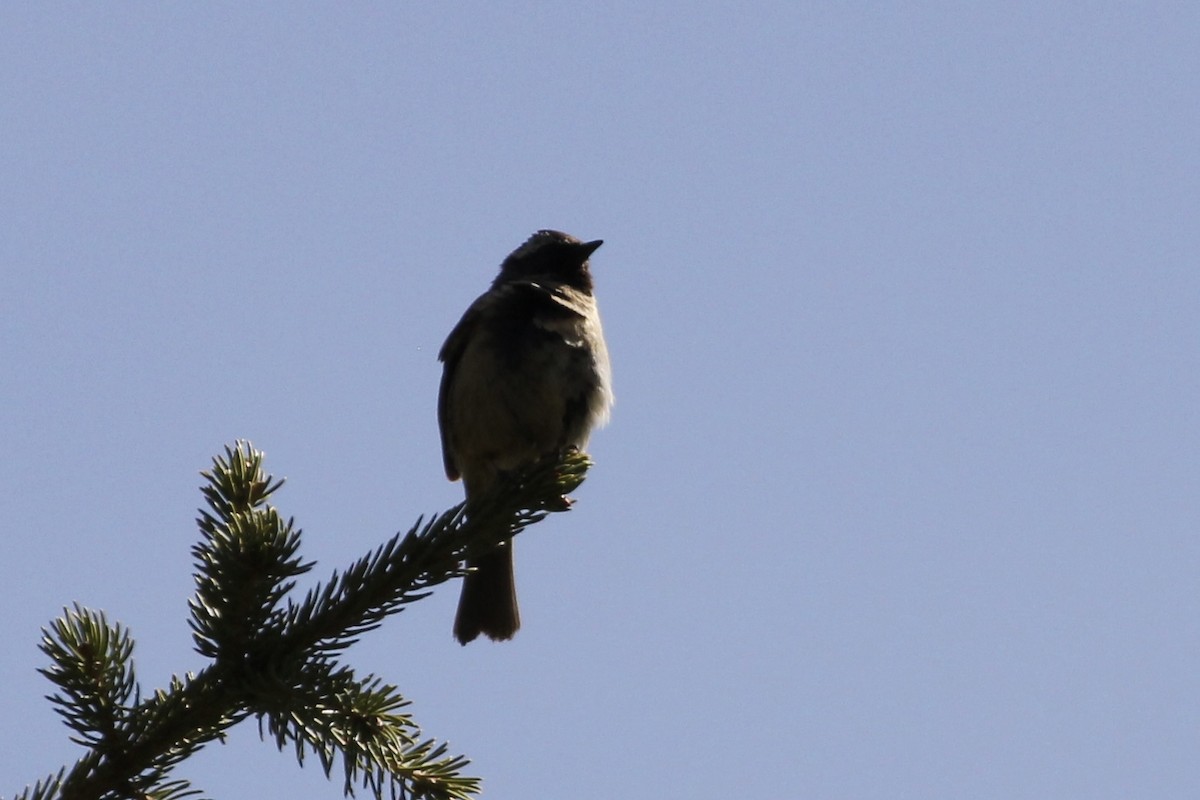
(449, 355)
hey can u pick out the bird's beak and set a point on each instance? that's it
(590, 247)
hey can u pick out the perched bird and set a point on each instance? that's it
(525, 374)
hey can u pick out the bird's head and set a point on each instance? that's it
(552, 255)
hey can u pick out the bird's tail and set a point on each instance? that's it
(488, 603)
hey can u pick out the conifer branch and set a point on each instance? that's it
(272, 657)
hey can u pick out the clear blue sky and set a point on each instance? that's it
(901, 492)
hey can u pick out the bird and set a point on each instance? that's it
(525, 374)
